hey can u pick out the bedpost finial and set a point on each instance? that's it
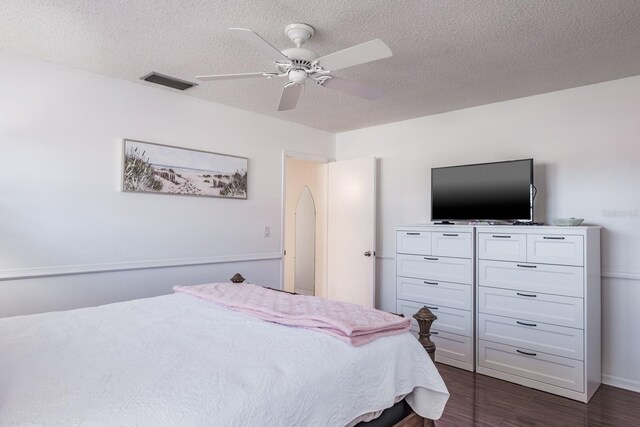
(425, 318)
(237, 278)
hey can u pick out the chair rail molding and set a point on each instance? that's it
(621, 275)
(66, 270)
(386, 255)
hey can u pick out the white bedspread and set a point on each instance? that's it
(179, 361)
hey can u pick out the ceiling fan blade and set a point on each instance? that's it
(355, 55)
(259, 43)
(289, 97)
(232, 76)
(353, 88)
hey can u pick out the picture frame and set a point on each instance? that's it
(148, 167)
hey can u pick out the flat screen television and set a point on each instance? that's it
(499, 191)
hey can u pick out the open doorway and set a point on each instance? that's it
(304, 264)
(337, 200)
(304, 224)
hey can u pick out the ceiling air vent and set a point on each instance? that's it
(168, 81)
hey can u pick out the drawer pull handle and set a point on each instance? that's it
(434, 333)
(553, 238)
(430, 283)
(501, 237)
(430, 258)
(527, 266)
(432, 308)
(413, 234)
(525, 324)
(526, 295)
(525, 352)
(449, 235)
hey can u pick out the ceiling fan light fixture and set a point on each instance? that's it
(297, 76)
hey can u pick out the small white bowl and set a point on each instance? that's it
(567, 222)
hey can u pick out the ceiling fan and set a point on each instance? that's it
(300, 64)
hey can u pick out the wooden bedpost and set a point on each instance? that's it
(237, 278)
(425, 318)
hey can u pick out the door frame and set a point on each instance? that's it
(283, 197)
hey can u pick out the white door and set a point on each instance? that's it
(352, 231)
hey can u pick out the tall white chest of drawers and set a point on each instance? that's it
(434, 267)
(538, 307)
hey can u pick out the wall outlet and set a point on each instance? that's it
(267, 231)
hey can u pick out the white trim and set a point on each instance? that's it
(66, 270)
(306, 156)
(283, 213)
(621, 275)
(619, 382)
(385, 256)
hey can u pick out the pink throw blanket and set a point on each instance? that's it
(352, 323)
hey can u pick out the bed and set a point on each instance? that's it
(176, 360)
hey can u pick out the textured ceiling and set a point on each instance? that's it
(447, 54)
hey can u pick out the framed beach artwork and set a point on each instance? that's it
(163, 169)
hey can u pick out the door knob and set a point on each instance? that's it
(368, 253)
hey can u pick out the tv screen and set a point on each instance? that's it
(486, 191)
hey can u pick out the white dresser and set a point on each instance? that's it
(538, 307)
(434, 267)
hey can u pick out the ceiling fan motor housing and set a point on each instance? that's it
(301, 54)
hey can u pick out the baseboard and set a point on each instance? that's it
(619, 382)
(67, 270)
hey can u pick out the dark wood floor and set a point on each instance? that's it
(478, 400)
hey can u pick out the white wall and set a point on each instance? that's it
(62, 211)
(585, 143)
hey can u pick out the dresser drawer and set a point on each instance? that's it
(502, 246)
(451, 244)
(434, 268)
(449, 319)
(542, 337)
(542, 278)
(549, 369)
(555, 249)
(452, 346)
(551, 309)
(413, 242)
(452, 295)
